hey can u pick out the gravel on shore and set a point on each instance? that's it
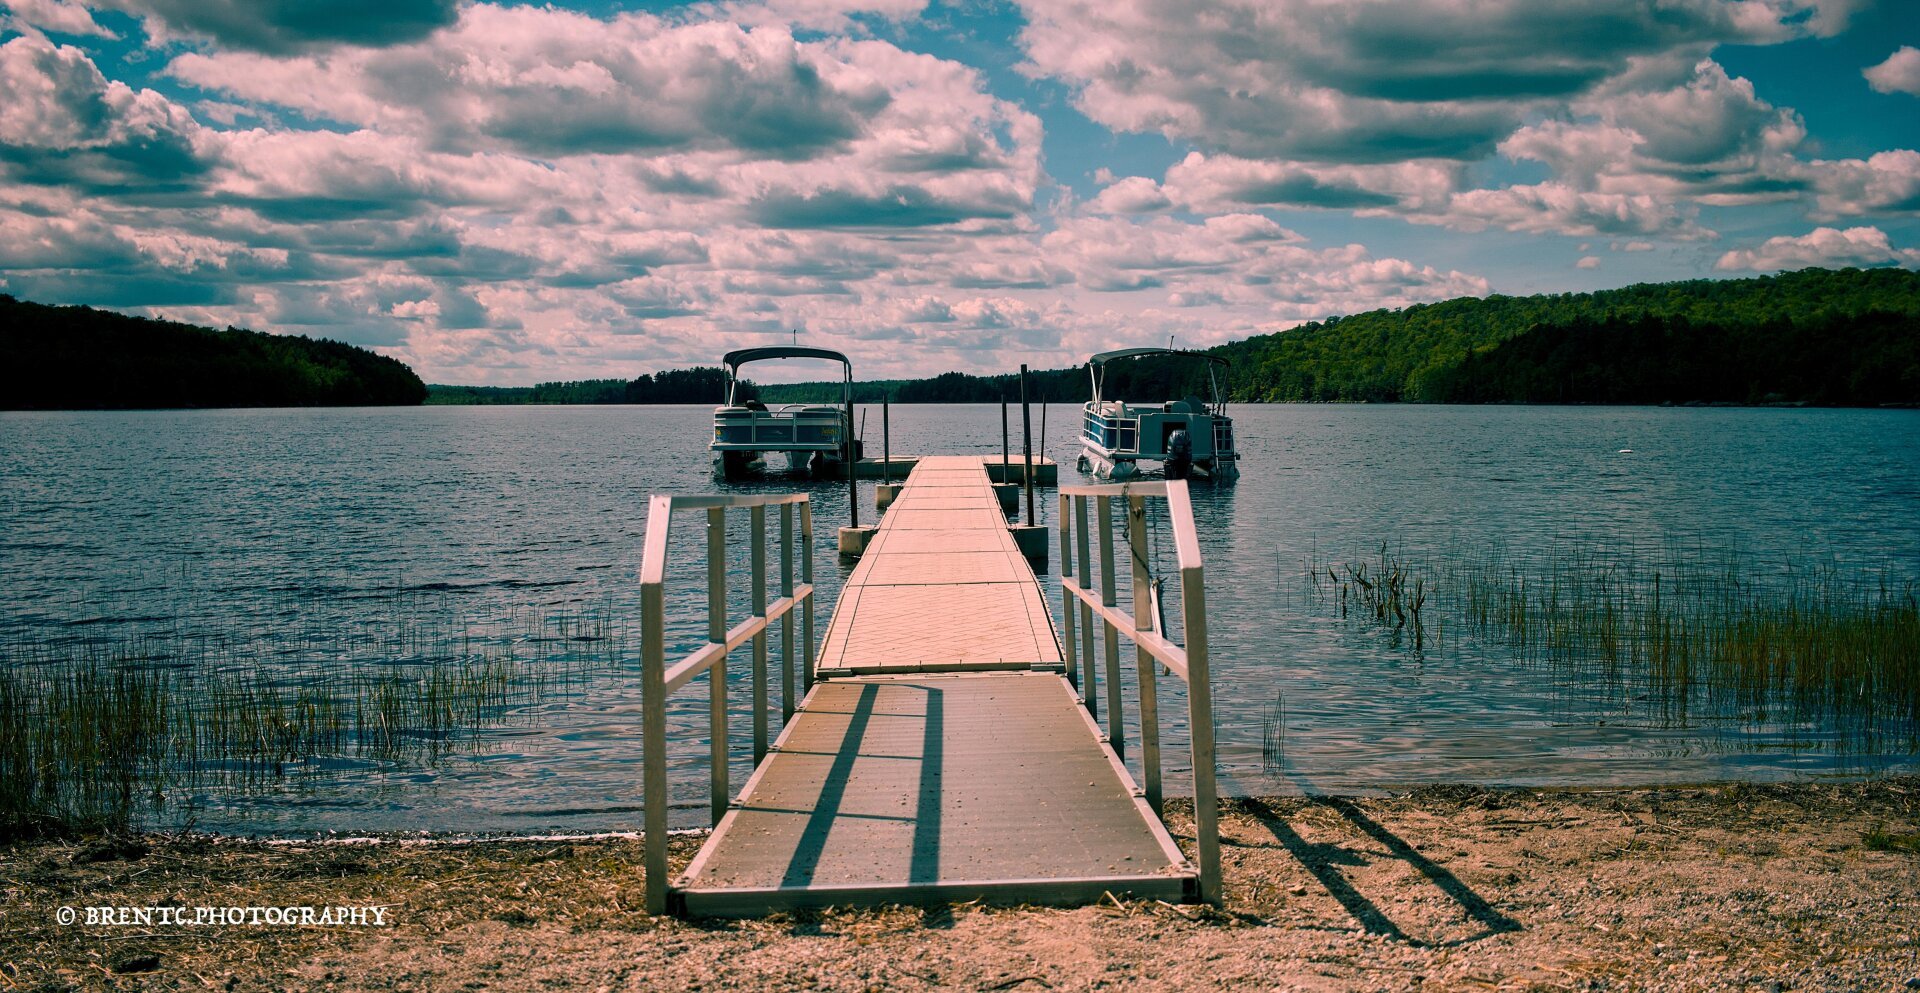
(1737, 887)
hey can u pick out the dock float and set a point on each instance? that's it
(1046, 472)
(945, 749)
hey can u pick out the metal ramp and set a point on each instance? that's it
(943, 750)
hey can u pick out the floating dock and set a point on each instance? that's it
(1045, 471)
(944, 754)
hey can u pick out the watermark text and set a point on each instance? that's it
(179, 916)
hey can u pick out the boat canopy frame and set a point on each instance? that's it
(741, 356)
(1097, 371)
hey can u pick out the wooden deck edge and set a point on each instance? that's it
(1155, 824)
(720, 830)
(759, 901)
(934, 668)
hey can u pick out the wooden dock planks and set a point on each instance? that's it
(934, 763)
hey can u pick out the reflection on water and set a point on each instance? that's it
(254, 523)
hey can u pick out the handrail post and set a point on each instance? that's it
(1193, 609)
(717, 633)
(757, 523)
(1069, 603)
(1116, 715)
(786, 619)
(1084, 543)
(1206, 802)
(1142, 621)
(806, 576)
(653, 722)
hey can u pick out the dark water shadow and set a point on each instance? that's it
(1324, 861)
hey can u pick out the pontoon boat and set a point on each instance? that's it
(1190, 436)
(814, 436)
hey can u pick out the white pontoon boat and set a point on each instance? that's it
(814, 436)
(1190, 437)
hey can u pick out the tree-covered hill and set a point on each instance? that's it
(1846, 337)
(78, 358)
(1729, 333)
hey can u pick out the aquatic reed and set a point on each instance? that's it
(98, 729)
(1693, 634)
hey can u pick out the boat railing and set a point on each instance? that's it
(816, 428)
(1222, 435)
(1151, 643)
(1115, 434)
(658, 680)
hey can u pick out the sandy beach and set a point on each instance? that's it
(1741, 887)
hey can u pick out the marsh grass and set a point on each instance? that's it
(1881, 840)
(1690, 635)
(99, 729)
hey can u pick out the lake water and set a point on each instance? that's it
(253, 523)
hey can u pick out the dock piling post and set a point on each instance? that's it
(717, 634)
(853, 469)
(886, 444)
(1026, 444)
(1005, 457)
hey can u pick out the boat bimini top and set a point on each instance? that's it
(741, 356)
(1097, 369)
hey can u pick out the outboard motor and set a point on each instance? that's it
(1179, 455)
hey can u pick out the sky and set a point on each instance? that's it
(506, 194)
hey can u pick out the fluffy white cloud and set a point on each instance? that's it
(1226, 182)
(1703, 136)
(67, 123)
(1900, 73)
(1244, 261)
(58, 16)
(1381, 81)
(1886, 182)
(1556, 208)
(553, 83)
(1131, 195)
(1862, 246)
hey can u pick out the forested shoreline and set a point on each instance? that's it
(1847, 337)
(79, 358)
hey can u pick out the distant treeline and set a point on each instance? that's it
(701, 384)
(79, 358)
(1842, 337)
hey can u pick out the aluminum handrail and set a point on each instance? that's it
(658, 680)
(1189, 662)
